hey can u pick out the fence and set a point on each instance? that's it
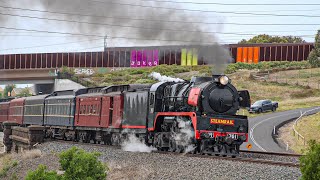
(302, 77)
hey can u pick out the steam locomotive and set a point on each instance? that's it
(197, 115)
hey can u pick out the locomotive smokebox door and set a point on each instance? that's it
(244, 98)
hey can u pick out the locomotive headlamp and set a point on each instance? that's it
(224, 80)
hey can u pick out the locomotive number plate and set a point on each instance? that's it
(233, 136)
(211, 135)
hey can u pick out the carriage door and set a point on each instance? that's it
(105, 112)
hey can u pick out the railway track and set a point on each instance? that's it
(284, 159)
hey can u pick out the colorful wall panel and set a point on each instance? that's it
(144, 58)
(189, 57)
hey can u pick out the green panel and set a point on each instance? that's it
(189, 57)
(195, 57)
(183, 57)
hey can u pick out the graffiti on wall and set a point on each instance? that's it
(144, 58)
(83, 71)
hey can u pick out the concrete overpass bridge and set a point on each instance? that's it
(44, 80)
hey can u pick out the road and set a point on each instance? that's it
(261, 128)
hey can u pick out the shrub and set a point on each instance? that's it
(310, 163)
(79, 165)
(313, 59)
(42, 174)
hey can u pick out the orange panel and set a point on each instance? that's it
(245, 55)
(239, 54)
(256, 55)
(250, 55)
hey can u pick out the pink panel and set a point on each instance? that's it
(144, 58)
(139, 58)
(155, 57)
(133, 58)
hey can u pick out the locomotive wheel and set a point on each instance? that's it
(172, 145)
(180, 149)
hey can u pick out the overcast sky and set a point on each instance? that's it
(228, 20)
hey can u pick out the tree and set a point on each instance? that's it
(8, 88)
(264, 38)
(0, 95)
(24, 92)
(314, 55)
(310, 163)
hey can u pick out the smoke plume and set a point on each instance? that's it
(130, 22)
(163, 78)
(133, 144)
(184, 136)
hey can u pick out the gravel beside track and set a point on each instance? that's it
(135, 165)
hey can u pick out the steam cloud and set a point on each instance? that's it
(116, 13)
(163, 78)
(133, 144)
(185, 135)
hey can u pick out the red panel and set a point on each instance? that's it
(4, 110)
(1, 61)
(117, 111)
(82, 60)
(192, 115)
(18, 61)
(6, 61)
(16, 110)
(12, 61)
(99, 59)
(193, 96)
(88, 111)
(59, 60)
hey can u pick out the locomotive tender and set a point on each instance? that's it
(197, 115)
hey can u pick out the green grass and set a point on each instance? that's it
(6, 163)
(308, 127)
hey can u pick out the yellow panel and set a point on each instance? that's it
(195, 57)
(189, 57)
(183, 57)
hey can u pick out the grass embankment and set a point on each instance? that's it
(288, 96)
(304, 77)
(9, 161)
(308, 127)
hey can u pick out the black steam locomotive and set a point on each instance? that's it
(200, 116)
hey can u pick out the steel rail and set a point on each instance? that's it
(239, 159)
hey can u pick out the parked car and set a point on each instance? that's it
(263, 106)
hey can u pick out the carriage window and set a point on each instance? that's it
(94, 107)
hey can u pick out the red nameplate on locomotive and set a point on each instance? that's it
(222, 122)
